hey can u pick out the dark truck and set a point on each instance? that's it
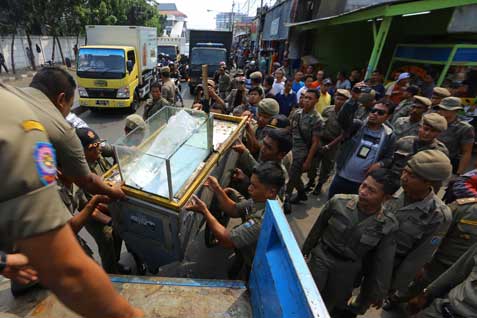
(207, 47)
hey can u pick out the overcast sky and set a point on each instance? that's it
(199, 18)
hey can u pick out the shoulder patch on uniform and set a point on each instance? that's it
(45, 162)
(468, 222)
(29, 125)
(464, 201)
(435, 240)
(248, 224)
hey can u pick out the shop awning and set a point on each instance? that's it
(388, 9)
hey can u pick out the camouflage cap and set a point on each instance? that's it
(441, 91)
(268, 106)
(256, 75)
(450, 103)
(422, 100)
(133, 121)
(435, 121)
(431, 165)
(343, 92)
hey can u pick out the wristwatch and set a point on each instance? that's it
(3, 261)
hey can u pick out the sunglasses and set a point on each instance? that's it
(380, 112)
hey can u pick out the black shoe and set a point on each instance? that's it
(287, 208)
(317, 190)
(388, 304)
(299, 197)
(309, 186)
(123, 269)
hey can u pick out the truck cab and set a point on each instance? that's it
(107, 76)
(205, 53)
(117, 66)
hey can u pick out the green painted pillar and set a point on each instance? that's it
(378, 45)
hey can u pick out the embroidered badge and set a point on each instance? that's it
(91, 134)
(45, 161)
(29, 125)
(435, 240)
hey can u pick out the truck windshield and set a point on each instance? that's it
(101, 63)
(167, 49)
(208, 56)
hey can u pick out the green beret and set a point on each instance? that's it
(431, 165)
(435, 121)
(268, 106)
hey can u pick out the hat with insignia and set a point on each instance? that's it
(87, 136)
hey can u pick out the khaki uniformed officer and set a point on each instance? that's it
(453, 294)
(409, 125)
(168, 90)
(267, 179)
(33, 217)
(351, 229)
(462, 234)
(423, 217)
(330, 132)
(459, 136)
(266, 109)
(438, 93)
(156, 103)
(306, 125)
(50, 96)
(432, 125)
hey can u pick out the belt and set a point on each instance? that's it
(329, 250)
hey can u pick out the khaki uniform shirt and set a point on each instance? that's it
(347, 232)
(331, 127)
(69, 151)
(402, 110)
(422, 225)
(404, 127)
(462, 234)
(459, 282)
(458, 133)
(152, 107)
(407, 147)
(168, 91)
(245, 236)
(303, 127)
(224, 83)
(29, 200)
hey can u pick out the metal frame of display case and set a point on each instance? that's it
(210, 163)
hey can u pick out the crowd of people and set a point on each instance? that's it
(384, 155)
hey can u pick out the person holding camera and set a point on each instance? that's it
(367, 145)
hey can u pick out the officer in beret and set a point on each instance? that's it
(306, 126)
(409, 125)
(459, 136)
(423, 218)
(168, 90)
(431, 126)
(438, 93)
(267, 108)
(404, 107)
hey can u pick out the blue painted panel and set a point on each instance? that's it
(280, 283)
(438, 54)
(466, 55)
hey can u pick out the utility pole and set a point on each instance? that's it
(232, 18)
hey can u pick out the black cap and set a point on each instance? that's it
(87, 136)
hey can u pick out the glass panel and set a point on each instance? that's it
(101, 63)
(182, 137)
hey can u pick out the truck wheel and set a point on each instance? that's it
(135, 104)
